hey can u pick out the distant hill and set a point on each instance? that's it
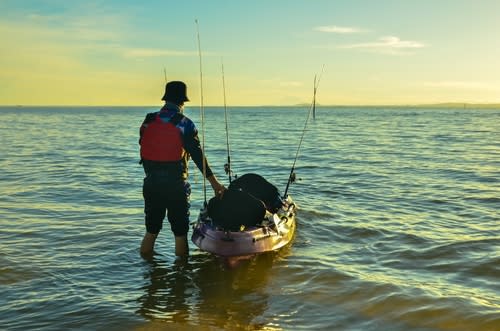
(461, 105)
(430, 105)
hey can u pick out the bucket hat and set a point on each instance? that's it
(175, 91)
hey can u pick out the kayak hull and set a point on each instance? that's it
(275, 231)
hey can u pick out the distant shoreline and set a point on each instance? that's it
(455, 105)
(423, 105)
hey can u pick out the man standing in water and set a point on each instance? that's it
(167, 140)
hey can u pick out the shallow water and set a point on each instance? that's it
(398, 227)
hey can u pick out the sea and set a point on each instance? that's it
(398, 226)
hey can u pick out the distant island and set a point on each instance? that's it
(461, 105)
(424, 105)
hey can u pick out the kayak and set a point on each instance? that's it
(272, 232)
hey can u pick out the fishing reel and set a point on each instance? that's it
(294, 178)
(228, 171)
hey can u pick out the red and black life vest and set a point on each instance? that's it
(161, 141)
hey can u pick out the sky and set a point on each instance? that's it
(259, 52)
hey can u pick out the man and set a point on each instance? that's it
(167, 140)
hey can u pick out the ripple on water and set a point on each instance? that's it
(397, 224)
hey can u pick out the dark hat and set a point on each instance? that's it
(175, 91)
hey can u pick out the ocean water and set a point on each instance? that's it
(398, 226)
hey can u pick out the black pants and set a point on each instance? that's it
(168, 196)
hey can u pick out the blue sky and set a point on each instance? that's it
(373, 52)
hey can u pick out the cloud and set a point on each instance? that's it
(76, 38)
(338, 29)
(389, 45)
(77, 27)
(290, 84)
(463, 85)
(151, 52)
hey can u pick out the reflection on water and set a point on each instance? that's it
(209, 291)
(398, 227)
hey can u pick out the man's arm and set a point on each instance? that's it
(193, 147)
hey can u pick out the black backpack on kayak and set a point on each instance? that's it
(244, 203)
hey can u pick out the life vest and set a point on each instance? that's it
(161, 141)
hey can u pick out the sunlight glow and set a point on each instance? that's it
(114, 53)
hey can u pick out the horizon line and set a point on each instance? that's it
(438, 104)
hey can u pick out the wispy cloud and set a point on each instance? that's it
(81, 27)
(463, 85)
(339, 29)
(290, 84)
(388, 45)
(151, 52)
(77, 39)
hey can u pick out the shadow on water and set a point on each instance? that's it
(208, 291)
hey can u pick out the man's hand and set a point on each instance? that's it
(217, 186)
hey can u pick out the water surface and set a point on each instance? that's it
(398, 227)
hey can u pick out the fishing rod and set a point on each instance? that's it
(314, 98)
(227, 166)
(292, 177)
(202, 115)
(316, 83)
